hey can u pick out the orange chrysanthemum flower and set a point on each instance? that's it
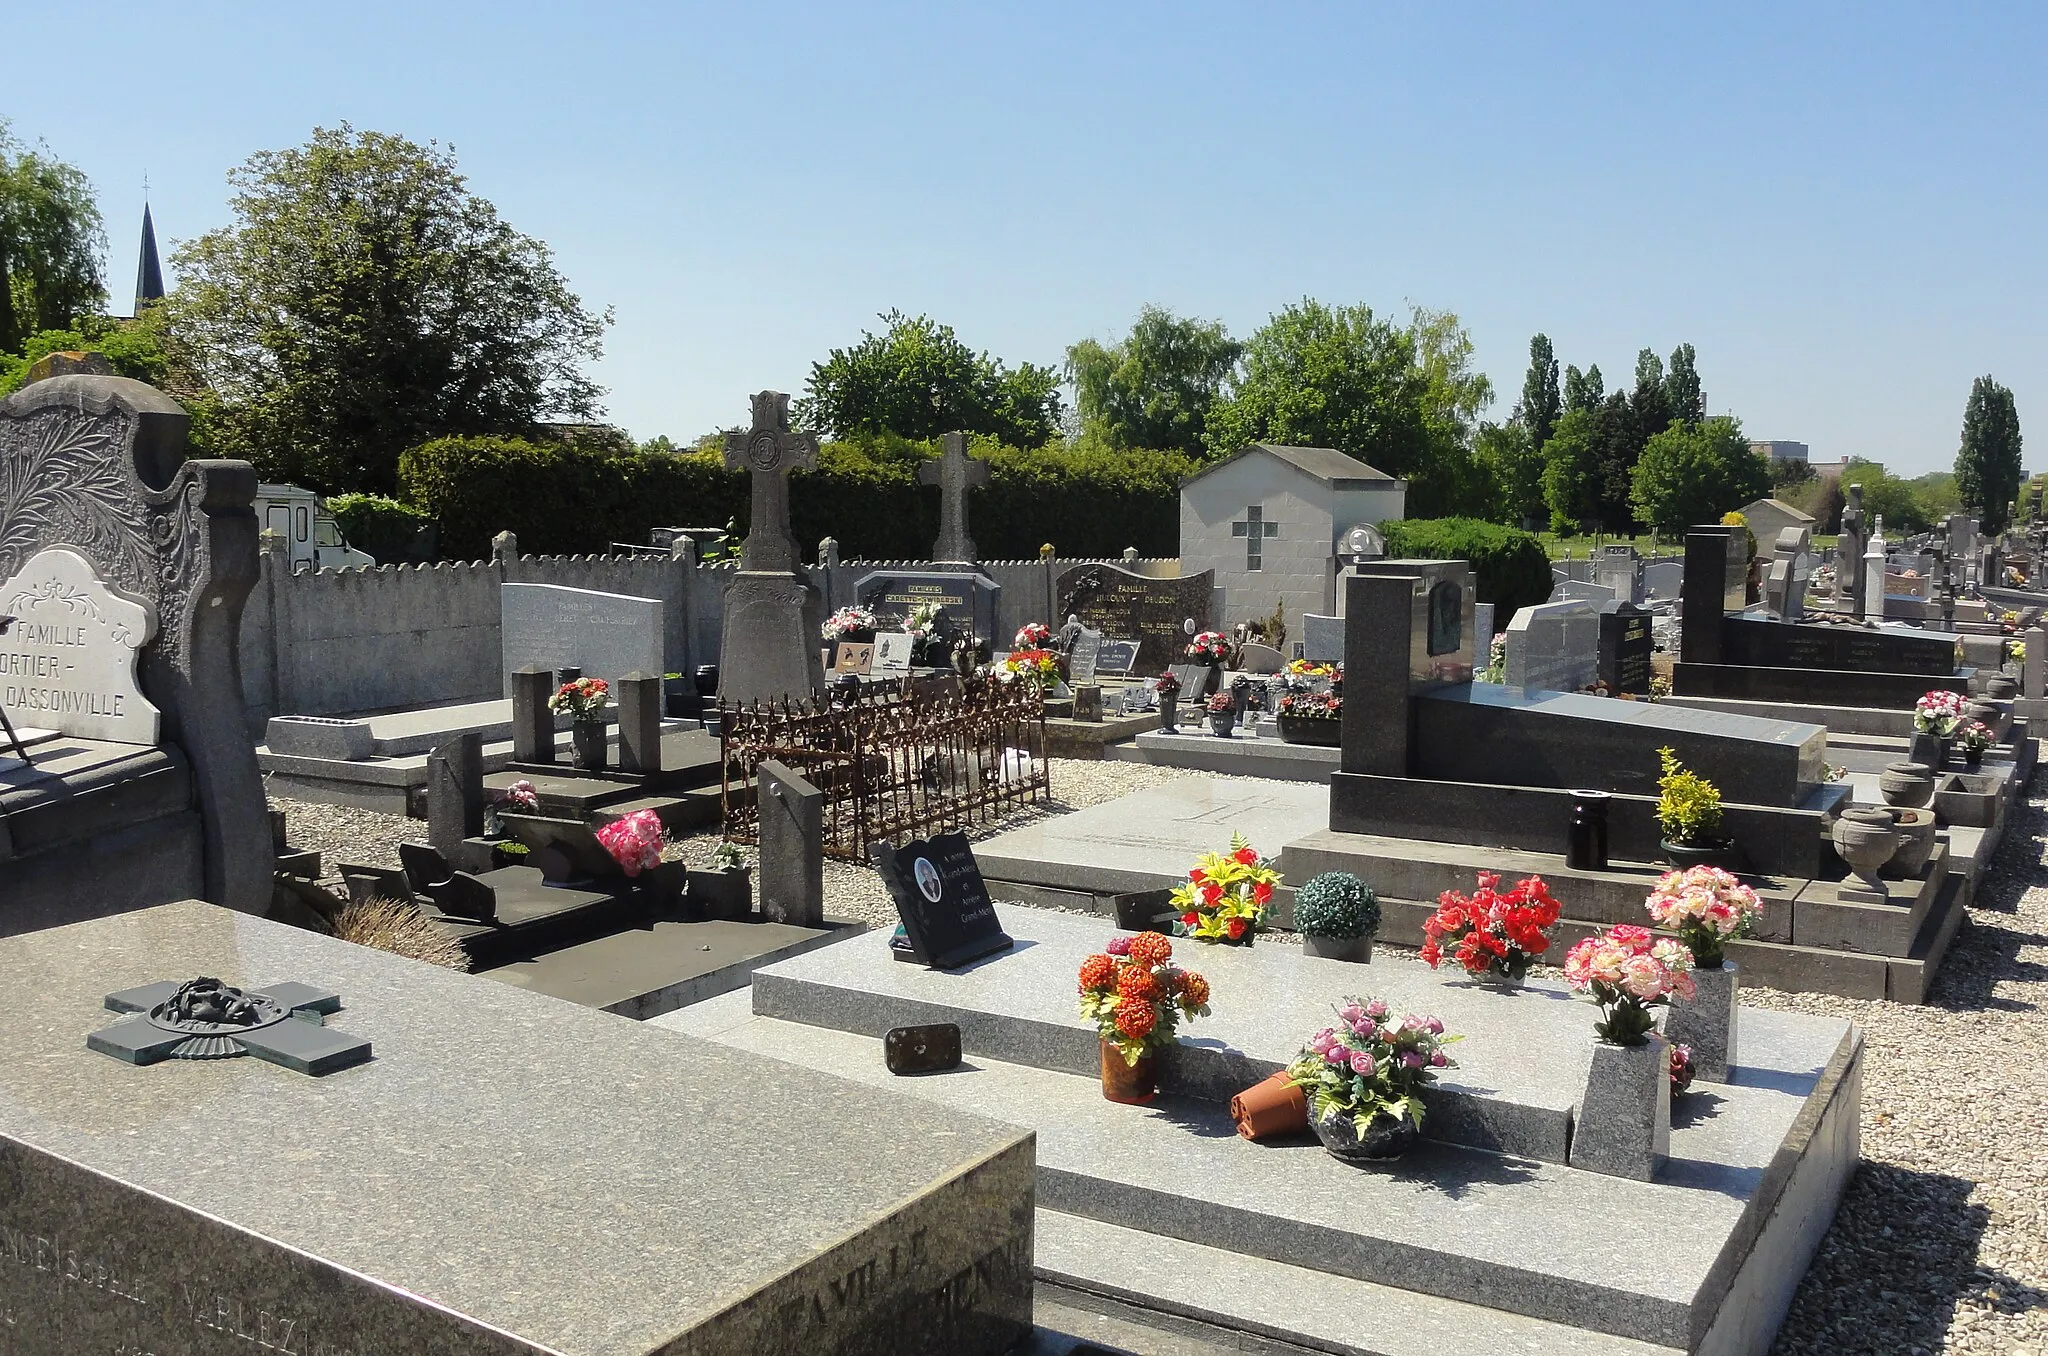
(1194, 988)
(1097, 972)
(1135, 1020)
(1137, 986)
(1150, 949)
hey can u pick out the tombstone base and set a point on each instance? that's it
(770, 645)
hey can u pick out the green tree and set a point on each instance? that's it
(1649, 403)
(1450, 481)
(1154, 387)
(51, 243)
(1325, 376)
(1587, 465)
(134, 348)
(1583, 390)
(1886, 496)
(1514, 464)
(1542, 402)
(1694, 472)
(366, 301)
(1682, 392)
(917, 380)
(1988, 470)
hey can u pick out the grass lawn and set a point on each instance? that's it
(1647, 544)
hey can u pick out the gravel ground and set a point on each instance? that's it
(1941, 1242)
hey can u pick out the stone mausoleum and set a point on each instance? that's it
(1268, 521)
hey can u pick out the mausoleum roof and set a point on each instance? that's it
(1778, 506)
(1326, 464)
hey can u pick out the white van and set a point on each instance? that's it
(309, 530)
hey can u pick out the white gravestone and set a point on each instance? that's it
(1554, 647)
(68, 662)
(607, 635)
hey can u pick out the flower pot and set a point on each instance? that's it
(1385, 1138)
(1501, 981)
(1169, 713)
(1685, 856)
(1706, 1022)
(1356, 949)
(1866, 839)
(1623, 1125)
(588, 739)
(1928, 749)
(1268, 1108)
(1978, 709)
(1223, 726)
(1131, 1084)
(1906, 786)
(1916, 842)
(2002, 687)
(726, 894)
(707, 679)
(1586, 836)
(1973, 758)
(1325, 734)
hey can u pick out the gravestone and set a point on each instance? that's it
(1625, 647)
(1849, 552)
(1482, 635)
(1151, 611)
(955, 473)
(769, 642)
(455, 793)
(1620, 569)
(1791, 568)
(1573, 591)
(639, 700)
(967, 599)
(1554, 646)
(1256, 658)
(1322, 639)
(1081, 659)
(2034, 668)
(533, 724)
(948, 917)
(1663, 579)
(68, 662)
(606, 635)
(792, 847)
(1398, 642)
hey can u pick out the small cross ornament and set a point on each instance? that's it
(206, 1019)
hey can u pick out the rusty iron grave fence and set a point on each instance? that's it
(893, 763)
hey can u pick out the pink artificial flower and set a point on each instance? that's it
(1361, 1063)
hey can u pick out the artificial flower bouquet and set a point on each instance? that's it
(1220, 704)
(1039, 668)
(922, 619)
(520, 796)
(1975, 736)
(1681, 1068)
(1136, 996)
(1492, 931)
(1312, 706)
(1310, 669)
(1629, 970)
(1370, 1065)
(634, 841)
(1225, 896)
(1166, 685)
(1705, 906)
(1938, 713)
(1210, 647)
(848, 621)
(582, 699)
(1032, 636)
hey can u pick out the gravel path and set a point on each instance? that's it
(1941, 1243)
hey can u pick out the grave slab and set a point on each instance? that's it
(510, 1173)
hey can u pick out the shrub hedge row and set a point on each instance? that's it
(387, 529)
(1510, 568)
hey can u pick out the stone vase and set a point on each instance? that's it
(1907, 785)
(1355, 949)
(1623, 1123)
(1916, 842)
(1223, 726)
(588, 739)
(1706, 1022)
(1928, 749)
(1169, 713)
(2001, 687)
(1131, 1084)
(1866, 840)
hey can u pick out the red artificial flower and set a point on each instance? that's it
(1097, 971)
(1244, 856)
(1211, 892)
(1262, 892)
(1136, 1020)
(1236, 928)
(1191, 918)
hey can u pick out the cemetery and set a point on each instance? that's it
(1332, 960)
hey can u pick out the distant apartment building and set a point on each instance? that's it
(1782, 451)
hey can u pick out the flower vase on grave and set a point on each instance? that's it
(1705, 1023)
(1928, 748)
(588, 737)
(1169, 722)
(1124, 1081)
(1623, 1121)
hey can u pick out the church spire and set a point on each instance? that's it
(149, 275)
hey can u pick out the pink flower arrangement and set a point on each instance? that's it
(1681, 1068)
(1371, 1064)
(521, 796)
(634, 841)
(1938, 712)
(1705, 906)
(1629, 970)
(1210, 647)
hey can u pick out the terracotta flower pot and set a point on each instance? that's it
(1271, 1107)
(1907, 786)
(1132, 1084)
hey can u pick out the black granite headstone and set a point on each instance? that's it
(948, 917)
(1771, 644)
(966, 598)
(1120, 603)
(1625, 647)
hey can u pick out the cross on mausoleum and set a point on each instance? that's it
(771, 452)
(1254, 529)
(954, 473)
(206, 1019)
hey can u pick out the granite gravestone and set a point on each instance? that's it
(1849, 553)
(967, 600)
(1625, 648)
(1663, 579)
(1620, 570)
(1151, 611)
(606, 635)
(769, 646)
(1578, 591)
(68, 662)
(1791, 567)
(948, 917)
(1322, 639)
(1395, 632)
(1554, 646)
(1082, 658)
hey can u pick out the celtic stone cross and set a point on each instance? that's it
(770, 451)
(954, 473)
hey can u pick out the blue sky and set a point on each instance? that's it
(1840, 206)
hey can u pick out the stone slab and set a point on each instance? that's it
(1239, 755)
(607, 635)
(509, 1174)
(336, 737)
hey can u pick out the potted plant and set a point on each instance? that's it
(1312, 718)
(1935, 718)
(1136, 997)
(1337, 915)
(1032, 636)
(1974, 736)
(1222, 711)
(853, 624)
(726, 889)
(1705, 906)
(1168, 688)
(509, 852)
(519, 797)
(1628, 970)
(1689, 814)
(583, 700)
(1495, 935)
(1225, 896)
(1364, 1077)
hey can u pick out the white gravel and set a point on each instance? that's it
(1941, 1243)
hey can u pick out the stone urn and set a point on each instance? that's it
(2002, 687)
(1916, 842)
(1866, 840)
(1979, 709)
(1907, 786)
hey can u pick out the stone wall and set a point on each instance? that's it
(336, 642)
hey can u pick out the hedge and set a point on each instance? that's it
(1509, 566)
(562, 499)
(387, 529)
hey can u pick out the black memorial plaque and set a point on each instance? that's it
(1119, 603)
(1117, 657)
(1446, 617)
(1625, 647)
(1792, 645)
(948, 917)
(922, 1049)
(966, 599)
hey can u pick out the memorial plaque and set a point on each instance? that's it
(922, 1049)
(947, 914)
(1772, 644)
(1446, 617)
(68, 661)
(1117, 656)
(893, 653)
(606, 635)
(1154, 611)
(1137, 699)
(1625, 648)
(966, 599)
(854, 657)
(1082, 659)
(1195, 680)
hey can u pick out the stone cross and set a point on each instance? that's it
(771, 452)
(205, 1019)
(954, 473)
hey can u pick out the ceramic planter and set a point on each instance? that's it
(1907, 786)
(1357, 949)
(1684, 856)
(1272, 1107)
(1706, 1023)
(726, 894)
(1223, 726)
(1916, 842)
(1131, 1084)
(1385, 1138)
(588, 740)
(1865, 839)
(1325, 734)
